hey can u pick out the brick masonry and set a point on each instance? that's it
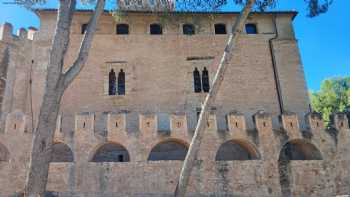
(160, 106)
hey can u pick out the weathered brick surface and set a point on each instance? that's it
(161, 106)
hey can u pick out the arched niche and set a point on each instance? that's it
(169, 150)
(4, 153)
(111, 152)
(237, 150)
(299, 149)
(61, 153)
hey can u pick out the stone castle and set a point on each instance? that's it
(127, 120)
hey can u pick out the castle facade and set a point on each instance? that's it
(127, 120)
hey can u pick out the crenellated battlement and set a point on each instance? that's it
(148, 123)
(6, 33)
(261, 147)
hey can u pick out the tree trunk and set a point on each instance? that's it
(56, 83)
(209, 100)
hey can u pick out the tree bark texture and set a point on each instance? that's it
(210, 99)
(56, 83)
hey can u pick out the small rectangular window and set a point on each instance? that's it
(156, 29)
(122, 29)
(220, 28)
(120, 158)
(251, 29)
(188, 29)
(84, 28)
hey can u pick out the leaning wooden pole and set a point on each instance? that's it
(210, 99)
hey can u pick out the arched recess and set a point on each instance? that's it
(61, 153)
(4, 153)
(299, 149)
(111, 152)
(172, 149)
(237, 150)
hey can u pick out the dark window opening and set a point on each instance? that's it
(122, 29)
(205, 80)
(220, 29)
(188, 29)
(120, 158)
(251, 29)
(84, 28)
(199, 110)
(112, 82)
(197, 81)
(156, 29)
(121, 82)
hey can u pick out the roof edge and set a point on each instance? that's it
(291, 12)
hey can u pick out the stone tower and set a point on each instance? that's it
(127, 120)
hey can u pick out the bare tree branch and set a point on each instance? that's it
(85, 46)
(210, 99)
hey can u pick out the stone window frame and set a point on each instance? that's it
(200, 62)
(116, 66)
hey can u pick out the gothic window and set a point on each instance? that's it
(220, 28)
(188, 29)
(121, 82)
(197, 81)
(251, 29)
(83, 28)
(156, 29)
(112, 82)
(205, 80)
(123, 29)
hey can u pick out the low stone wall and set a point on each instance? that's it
(233, 178)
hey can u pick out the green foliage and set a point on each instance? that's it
(334, 96)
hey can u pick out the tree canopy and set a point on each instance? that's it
(314, 7)
(334, 96)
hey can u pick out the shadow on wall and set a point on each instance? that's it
(111, 152)
(61, 153)
(237, 150)
(169, 150)
(4, 153)
(298, 149)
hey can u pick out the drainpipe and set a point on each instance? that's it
(274, 68)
